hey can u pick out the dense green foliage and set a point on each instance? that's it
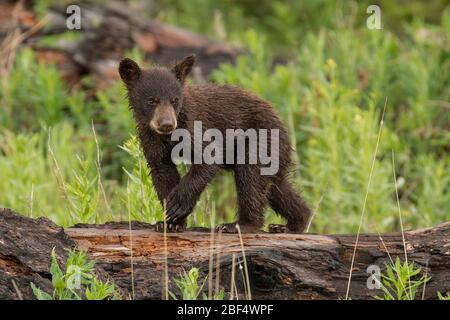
(60, 154)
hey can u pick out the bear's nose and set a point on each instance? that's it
(166, 125)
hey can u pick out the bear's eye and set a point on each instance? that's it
(174, 101)
(152, 101)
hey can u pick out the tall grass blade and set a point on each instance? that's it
(365, 199)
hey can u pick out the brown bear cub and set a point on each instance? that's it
(161, 102)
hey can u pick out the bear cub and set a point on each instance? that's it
(161, 102)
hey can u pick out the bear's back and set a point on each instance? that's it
(228, 107)
(225, 107)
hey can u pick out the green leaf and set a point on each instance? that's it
(39, 294)
(58, 282)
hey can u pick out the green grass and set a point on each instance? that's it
(443, 297)
(330, 94)
(334, 122)
(144, 203)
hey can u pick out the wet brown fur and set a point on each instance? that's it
(220, 107)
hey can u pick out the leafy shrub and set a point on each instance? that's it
(401, 281)
(78, 282)
(190, 288)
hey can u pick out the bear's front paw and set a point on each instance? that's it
(170, 227)
(178, 207)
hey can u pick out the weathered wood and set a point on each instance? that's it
(281, 266)
(25, 246)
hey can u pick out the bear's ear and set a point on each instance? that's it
(129, 71)
(182, 68)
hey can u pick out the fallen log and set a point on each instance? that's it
(280, 266)
(108, 32)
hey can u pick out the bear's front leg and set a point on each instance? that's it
(183, 198)
(179, 204)
(165, 178)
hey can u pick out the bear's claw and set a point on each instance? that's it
(170, 227)
(277, 228)
(227, 228)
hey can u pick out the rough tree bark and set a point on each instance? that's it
(281, 266)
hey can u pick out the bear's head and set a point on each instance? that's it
(156, 94)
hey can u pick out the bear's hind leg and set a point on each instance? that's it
(285, 201)
(252, 191)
